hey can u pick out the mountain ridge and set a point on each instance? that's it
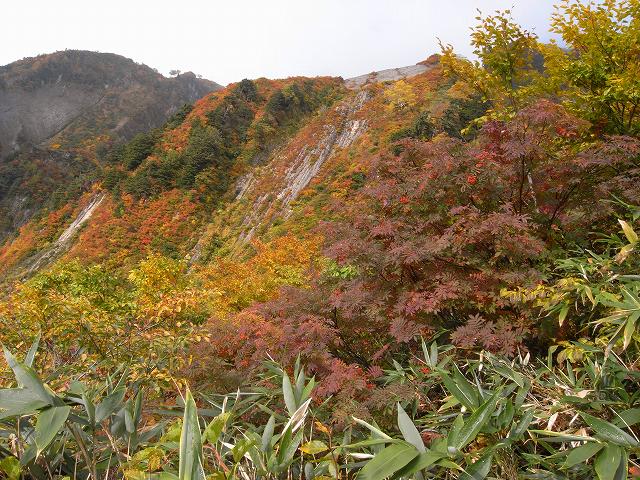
(44, 95)
(62, 112)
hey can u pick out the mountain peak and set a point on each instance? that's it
(393, 74)
(66, 91)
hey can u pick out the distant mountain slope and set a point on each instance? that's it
(59, 113)
(63, 96)
(252, 162)
(155, 191)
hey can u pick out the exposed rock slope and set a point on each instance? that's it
(303, 163)
(388, 75)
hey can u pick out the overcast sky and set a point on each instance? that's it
(227, 41)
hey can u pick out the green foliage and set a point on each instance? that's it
(458, 119)
(112, 177)
(139, 148)
(595, 73)
(504, 48)
(92, 315)
(426, 243)
(205, 150)
(286, 108)
(423, 128)
(599, 289)
(525, 420)
(358, 180)
(506, 73)
(190, 466)
(204, 162)
(598, 71)
(247, 90)
(177, 118)
(211, 249)
(139, 185)
(285, 104)
(232, 118)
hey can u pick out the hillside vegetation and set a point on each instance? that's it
(428, 277)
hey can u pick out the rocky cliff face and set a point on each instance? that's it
(65, 95)
(58, 110)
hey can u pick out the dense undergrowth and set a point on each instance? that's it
(457, 297)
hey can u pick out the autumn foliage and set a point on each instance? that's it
(417, 202)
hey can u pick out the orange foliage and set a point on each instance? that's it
(178, 138)
(38, 234)
(141, 227)
(236, 284)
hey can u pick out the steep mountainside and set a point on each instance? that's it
(253, 161)
(60, 112)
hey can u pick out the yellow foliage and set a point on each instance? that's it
(505, 73)
(92, 319)
(233, 285)
(89, 318)
(400, 96)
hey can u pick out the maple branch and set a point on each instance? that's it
(359, 358)
(521, 187)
